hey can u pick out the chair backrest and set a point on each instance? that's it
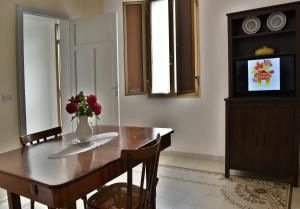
(40, 136)
(149, 157)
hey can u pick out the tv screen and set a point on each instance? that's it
(264, 74)
(268, 76)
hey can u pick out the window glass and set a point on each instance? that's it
(160, 47)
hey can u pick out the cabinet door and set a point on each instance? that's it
(277, 131)
(243, 125)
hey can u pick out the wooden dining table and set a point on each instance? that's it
(58, 183)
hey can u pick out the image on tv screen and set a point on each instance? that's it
(264, 74)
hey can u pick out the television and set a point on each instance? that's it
(264, 74)
(268, 76)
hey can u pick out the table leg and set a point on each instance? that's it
(14, 201)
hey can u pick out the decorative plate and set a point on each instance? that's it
(251, 25)
(276, 21)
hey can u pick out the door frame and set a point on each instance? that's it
(21, 10)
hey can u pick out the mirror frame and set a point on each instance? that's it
(21, 10)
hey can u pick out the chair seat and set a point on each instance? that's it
(114, 197)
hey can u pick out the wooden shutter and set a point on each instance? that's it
(185, 54)
(134, 38)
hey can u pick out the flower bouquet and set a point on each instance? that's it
(83, 107)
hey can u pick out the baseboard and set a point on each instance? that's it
(194, 155)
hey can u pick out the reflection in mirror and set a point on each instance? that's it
(41, 72)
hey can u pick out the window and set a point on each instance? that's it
(167, 43)
(173, 47)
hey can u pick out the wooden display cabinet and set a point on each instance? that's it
(262, 133)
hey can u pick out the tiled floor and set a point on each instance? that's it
(211, 165)
(176, 194)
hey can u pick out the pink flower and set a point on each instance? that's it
(77, 99)
(71, 107)
(91, 100)
(96, 107)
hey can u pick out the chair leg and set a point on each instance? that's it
(32, 204)
(153, 196)
(84, 199)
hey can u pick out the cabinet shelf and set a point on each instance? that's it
(269, 33)
(262, 56)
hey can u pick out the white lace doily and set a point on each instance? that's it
(77, 147)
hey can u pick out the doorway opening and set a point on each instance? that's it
(42, 72)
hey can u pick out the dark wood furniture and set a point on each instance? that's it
(58, 183)
(261, 130)
(39, 137)
(128, 195)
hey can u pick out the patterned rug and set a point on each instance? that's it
(236, 192)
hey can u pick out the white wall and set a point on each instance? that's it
(40, 73)
(199, 123)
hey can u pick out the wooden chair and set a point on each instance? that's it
(40, 137)
(127, 195)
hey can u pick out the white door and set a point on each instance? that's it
(94, 63)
